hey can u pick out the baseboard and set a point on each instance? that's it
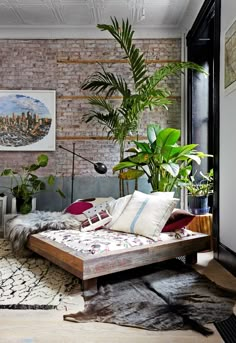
(227, 258)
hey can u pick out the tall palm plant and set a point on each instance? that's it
(144, 92)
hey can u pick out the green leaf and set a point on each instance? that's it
(59, 191)
(168, 136)
(51, 180)
(195, 158)
(171, 168)
(177, 151)
(131, 174)
(141, 158)
(135, 150)
(7, 172)
(143, 146)
(123, 165)
(152, 132)
(42, 160)
(32, 167)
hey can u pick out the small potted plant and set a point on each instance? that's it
(199, 190)
(161, 159)
(25, 184)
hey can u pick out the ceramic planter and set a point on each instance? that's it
(198, 204)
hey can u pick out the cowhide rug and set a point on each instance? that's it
(169, 296)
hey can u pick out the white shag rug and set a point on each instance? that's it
(35, 283)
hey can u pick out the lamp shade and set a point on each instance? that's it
(100, 168)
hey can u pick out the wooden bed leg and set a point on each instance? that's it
(191, 258)
(89, 287)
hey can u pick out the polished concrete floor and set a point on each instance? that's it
(25, 326)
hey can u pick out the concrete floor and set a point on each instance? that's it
(26, 326)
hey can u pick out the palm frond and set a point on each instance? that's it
(101, 102)
(106, 81)
(124, 36)
(169, 70)
(109, 120)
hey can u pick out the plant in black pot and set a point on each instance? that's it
(25, 184)
(199, 190)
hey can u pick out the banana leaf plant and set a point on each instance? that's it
(139, 91)
(25, 184)
(161, 159)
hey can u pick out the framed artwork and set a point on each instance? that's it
(230, 59)
(27, 120)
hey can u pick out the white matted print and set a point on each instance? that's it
(27, 120)
(230, 59)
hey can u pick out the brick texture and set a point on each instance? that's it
(33, 64)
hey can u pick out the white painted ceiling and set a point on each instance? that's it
(77, 18)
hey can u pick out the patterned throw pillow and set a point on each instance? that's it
(97, 221)
(145, 215)
(178, 220)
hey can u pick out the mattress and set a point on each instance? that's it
(104, 240)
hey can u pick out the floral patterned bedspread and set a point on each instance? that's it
(105, 240)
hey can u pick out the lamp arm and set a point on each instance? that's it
(72, 152)
(99, 167)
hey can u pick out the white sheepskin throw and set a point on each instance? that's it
(20, 227)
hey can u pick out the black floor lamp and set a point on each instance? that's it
(98, 166)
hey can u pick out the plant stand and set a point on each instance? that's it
(3, 210)
(202, 223)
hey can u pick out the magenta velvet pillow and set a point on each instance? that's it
(177, 220)
(78, 207)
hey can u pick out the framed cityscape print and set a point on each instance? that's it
(27, 120)
(230, 59)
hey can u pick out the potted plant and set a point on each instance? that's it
(199, 190)
(141, 90)
(25, 184)
(161, 159)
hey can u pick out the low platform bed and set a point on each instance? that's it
(88, 267)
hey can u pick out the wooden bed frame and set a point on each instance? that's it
(89, 267)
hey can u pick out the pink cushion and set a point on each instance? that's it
(178, 220)
(78, 207)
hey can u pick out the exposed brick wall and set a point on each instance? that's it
(33, 64)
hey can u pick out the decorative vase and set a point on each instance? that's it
(198, 204)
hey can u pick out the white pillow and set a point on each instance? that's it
(116, 207)
(163, 194)
(145, 215)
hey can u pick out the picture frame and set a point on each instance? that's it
(27, 120)
(230, 59)
(3, 209)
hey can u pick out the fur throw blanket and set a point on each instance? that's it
(20, 227)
